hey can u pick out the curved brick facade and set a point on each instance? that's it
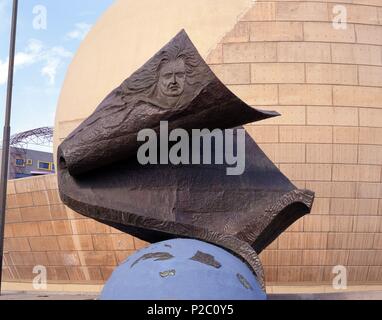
(327, 83)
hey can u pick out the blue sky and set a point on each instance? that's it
(42, 54)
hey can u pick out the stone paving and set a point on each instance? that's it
(375, 295)
(366, 295)
(47, 296)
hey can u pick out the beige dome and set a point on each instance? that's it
(127, 35)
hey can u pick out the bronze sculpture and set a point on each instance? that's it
(100, 177)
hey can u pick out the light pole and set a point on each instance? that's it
(6, 135)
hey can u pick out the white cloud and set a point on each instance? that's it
(50, 58)
(50, 69)
(53, 59)
(79, 32)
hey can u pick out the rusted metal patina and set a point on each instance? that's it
(206, 259)
(157, 256)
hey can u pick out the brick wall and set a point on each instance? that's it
(327, 84)
(40, 230)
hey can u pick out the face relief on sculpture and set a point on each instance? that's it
(179, 153)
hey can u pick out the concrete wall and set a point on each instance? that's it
(15, 172)
(279, 55)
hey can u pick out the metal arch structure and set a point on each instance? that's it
(38, 137)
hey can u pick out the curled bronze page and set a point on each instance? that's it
(196, 100)
(241, 213)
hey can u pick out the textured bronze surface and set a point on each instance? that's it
(157, 256)
(206, 259)
(166, 274)
(100, 177)
(244, 282)
(196, 99)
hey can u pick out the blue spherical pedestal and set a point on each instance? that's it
(182, 269)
